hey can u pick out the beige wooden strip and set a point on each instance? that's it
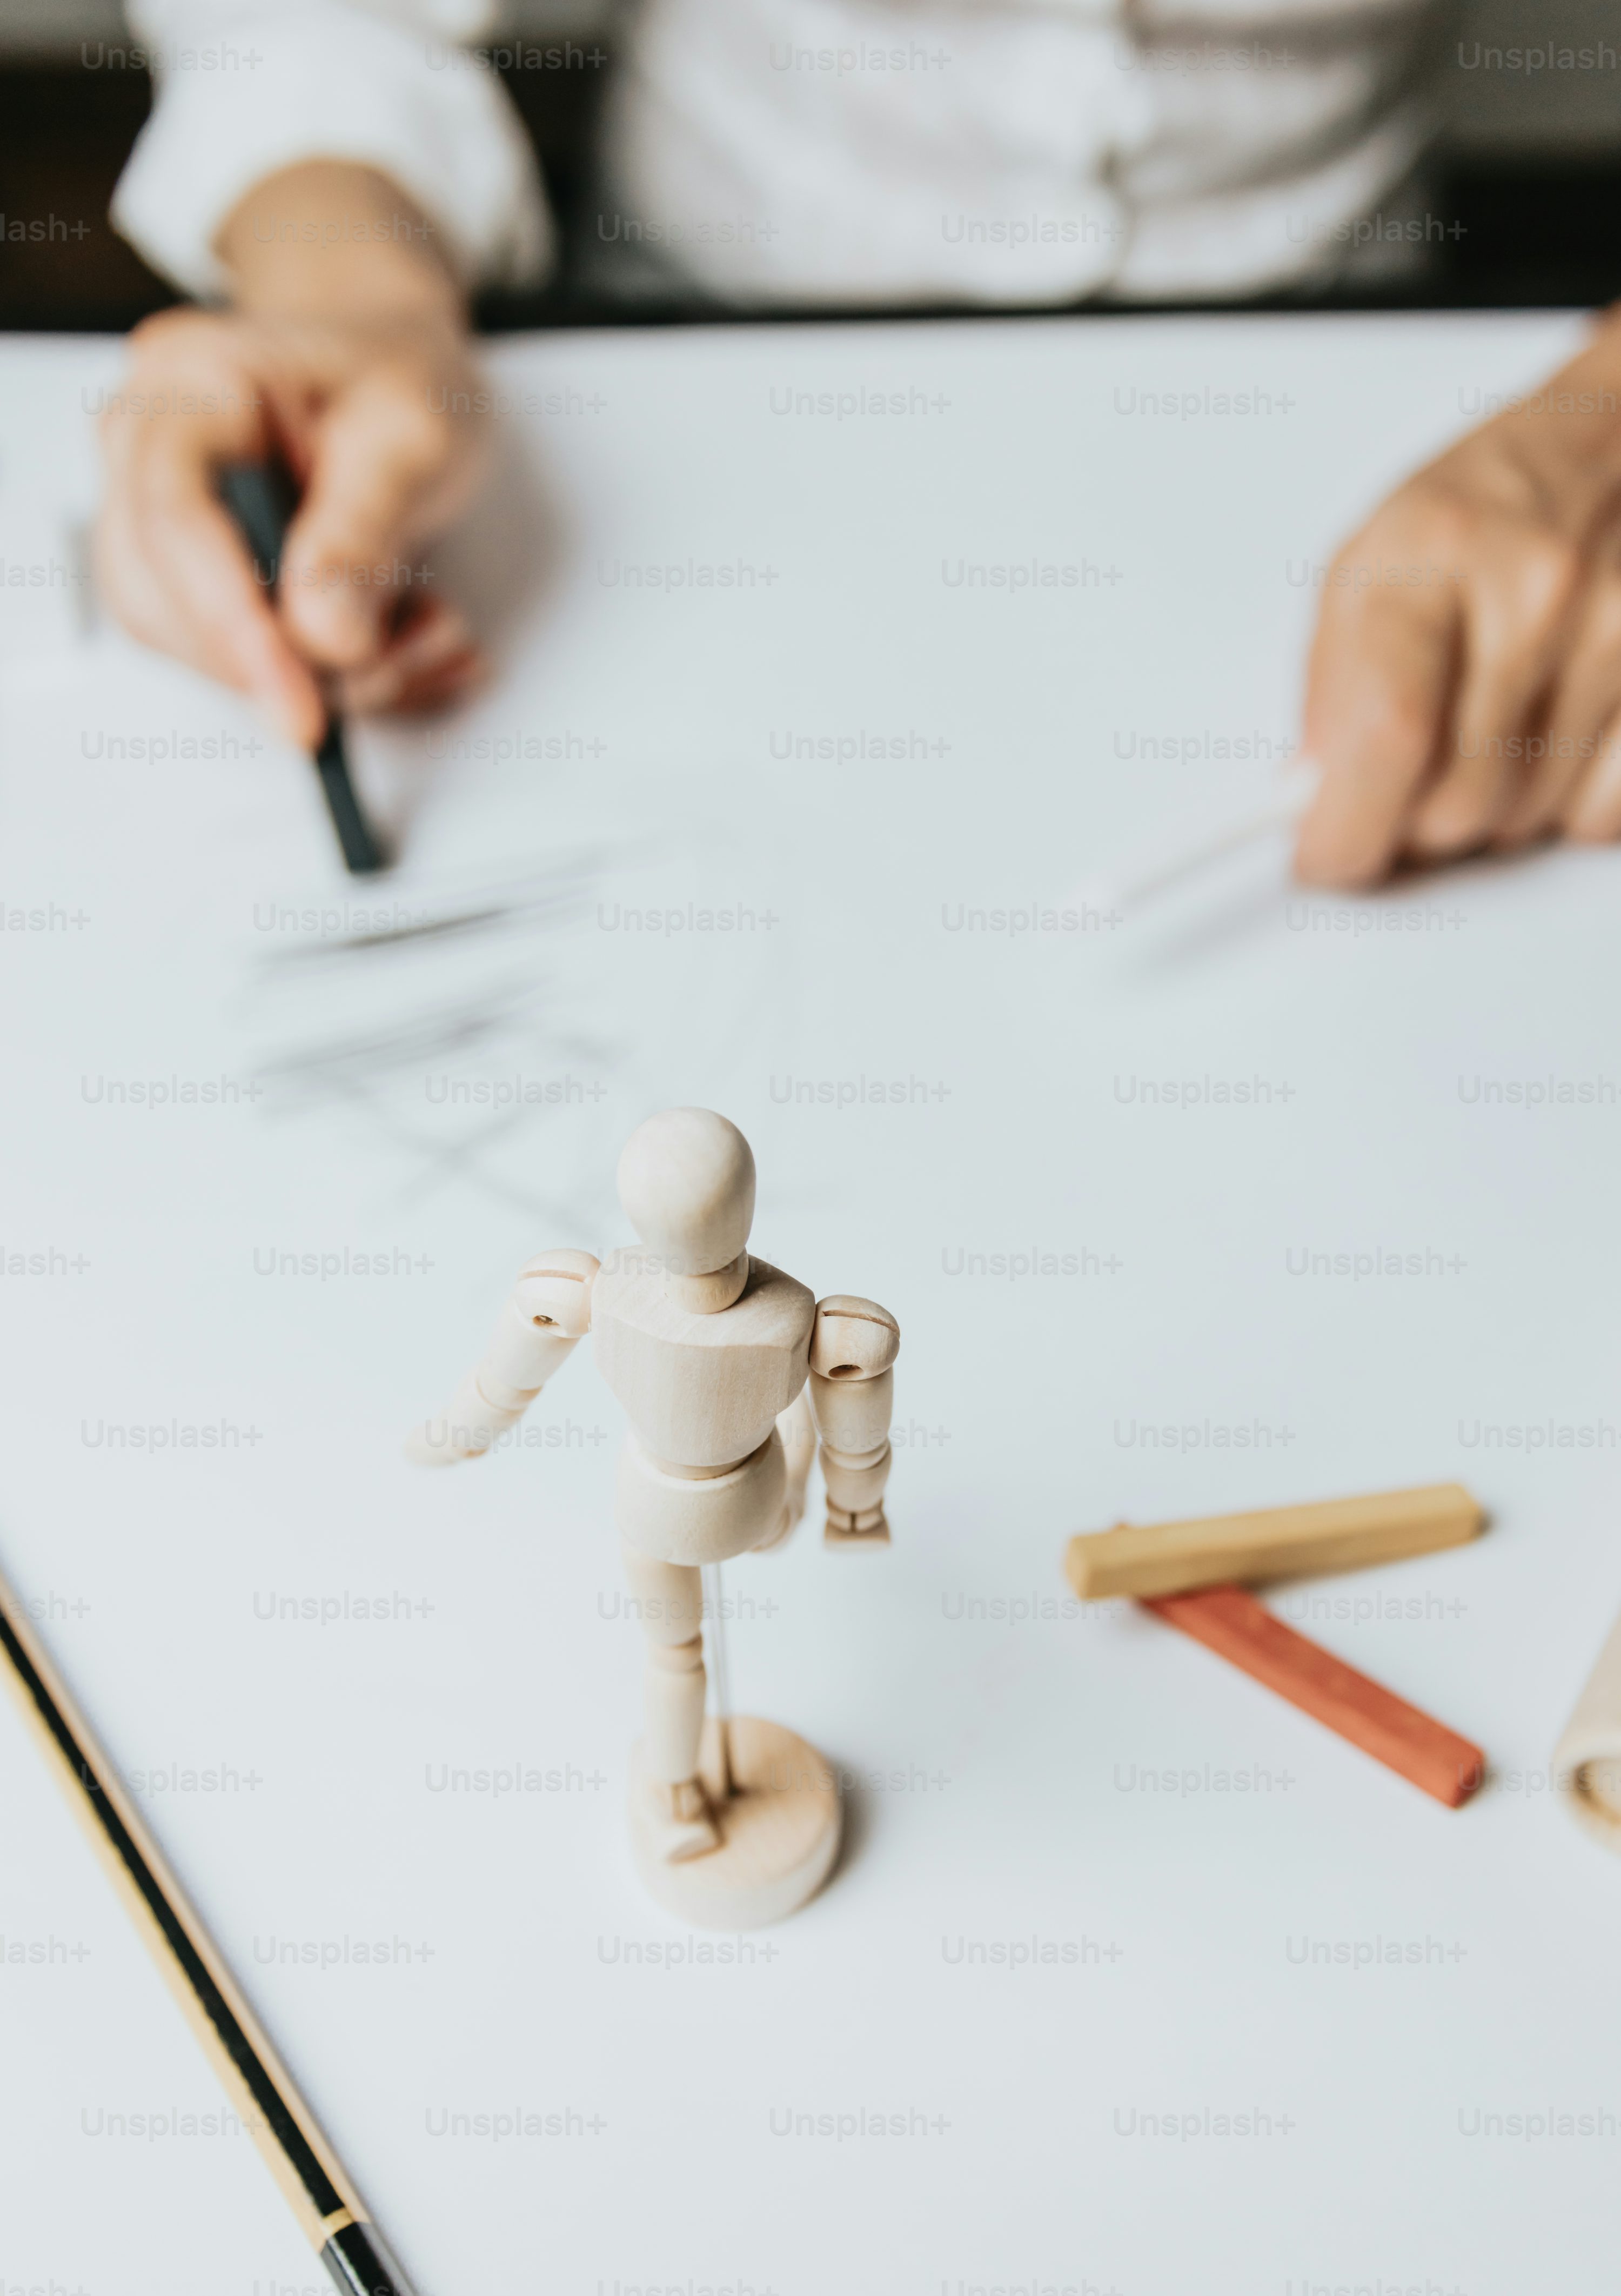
(1165, 1558)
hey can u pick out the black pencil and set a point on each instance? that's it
(261, 497)
(329, 2210)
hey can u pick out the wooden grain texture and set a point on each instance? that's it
(687, 1182)
(1164, 1558)
(1230, 1621)
(777, 1804)
(701, 1391)
(709, 1351)
(851, 1389)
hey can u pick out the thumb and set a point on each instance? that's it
(379, 456)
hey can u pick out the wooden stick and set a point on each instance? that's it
(1165, 1558)
(1230, 1621)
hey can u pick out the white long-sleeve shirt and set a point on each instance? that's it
(838, 151)
(247, 87)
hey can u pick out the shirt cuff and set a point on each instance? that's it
(243, 93)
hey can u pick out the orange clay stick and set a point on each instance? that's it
(1228, 1620)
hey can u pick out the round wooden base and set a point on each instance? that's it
(779, 1827)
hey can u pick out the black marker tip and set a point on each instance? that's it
(261, 497)
(363, 855)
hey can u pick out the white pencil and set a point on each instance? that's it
(1155, 868)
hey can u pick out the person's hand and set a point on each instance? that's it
(353, 365)
(1464, 692)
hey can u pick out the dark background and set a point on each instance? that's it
(1529, 170)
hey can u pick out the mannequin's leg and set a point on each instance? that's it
(669, 1596)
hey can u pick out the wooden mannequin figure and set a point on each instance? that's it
(729, 1372)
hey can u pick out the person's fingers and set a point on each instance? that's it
(1519, 585)
(430, 658)
(1592, 811)
(1586, 696)
(221, 618)
(453, 681)
(381, 474)
(171, 564)
(125, 580)
(179, 580)
(1378, 690)
(381, 463)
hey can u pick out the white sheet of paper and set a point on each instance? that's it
(1133, 1980)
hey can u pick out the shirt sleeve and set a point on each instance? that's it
(247, 87)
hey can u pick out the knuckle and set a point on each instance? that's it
(159, 330)
(168, 334)
(1396, 724)
(1549, 569)
(1360, 549)
(1427, 515)
(409, 431)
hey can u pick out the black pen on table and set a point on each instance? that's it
(261, 497)
(328, 2209)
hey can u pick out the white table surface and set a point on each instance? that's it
(996, 1741)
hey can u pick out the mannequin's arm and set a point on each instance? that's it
(542, 1321)
(854, 1344)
